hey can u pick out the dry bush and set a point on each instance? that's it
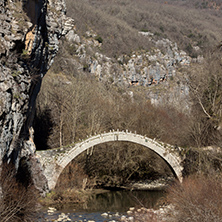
(72, 177)
(70, 188)
(17, 203)
(77, 107)
(205, 160)
(198, 198)
(60, 196)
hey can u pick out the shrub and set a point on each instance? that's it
(198, 198)
(99, 39)
(17, 202)
(72, 177)
(71, 187)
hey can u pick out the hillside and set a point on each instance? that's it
(118, 23)
(137, 65)
(118, 50)
(212, 6)
(120, 42)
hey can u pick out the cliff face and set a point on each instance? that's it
(29, 30)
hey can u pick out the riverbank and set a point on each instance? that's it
(69, 196)
(60, 196)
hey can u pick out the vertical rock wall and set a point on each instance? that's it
(29, 40)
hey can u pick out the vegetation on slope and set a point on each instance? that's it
(72, 104)
(118, 23)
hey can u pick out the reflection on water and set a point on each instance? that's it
(111, 201)
(121, 200)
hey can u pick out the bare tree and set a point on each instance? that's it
(205, 81)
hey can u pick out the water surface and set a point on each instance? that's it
(115, 203)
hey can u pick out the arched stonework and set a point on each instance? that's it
(55, 160)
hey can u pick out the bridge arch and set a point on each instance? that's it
(60, 158)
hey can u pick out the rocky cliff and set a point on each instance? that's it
(30, 31)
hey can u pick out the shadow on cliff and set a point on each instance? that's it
(43, 126)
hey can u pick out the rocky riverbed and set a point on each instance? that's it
(123, 205)
(159, 184)
(133, 214)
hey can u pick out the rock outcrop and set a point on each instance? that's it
(158, 67)
(143, 68)
(30, 31)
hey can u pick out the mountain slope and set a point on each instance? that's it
(118, 23)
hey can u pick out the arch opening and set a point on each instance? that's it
(114, 165)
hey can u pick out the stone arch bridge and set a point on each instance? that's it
(55, 160)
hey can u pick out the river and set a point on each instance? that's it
(106, 206)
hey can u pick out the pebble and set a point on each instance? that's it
(63, 217)
(123, 218)
(51, 210)
(104, 215)
(116, 214)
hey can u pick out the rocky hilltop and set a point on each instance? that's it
(142, 67)
(30, 31)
